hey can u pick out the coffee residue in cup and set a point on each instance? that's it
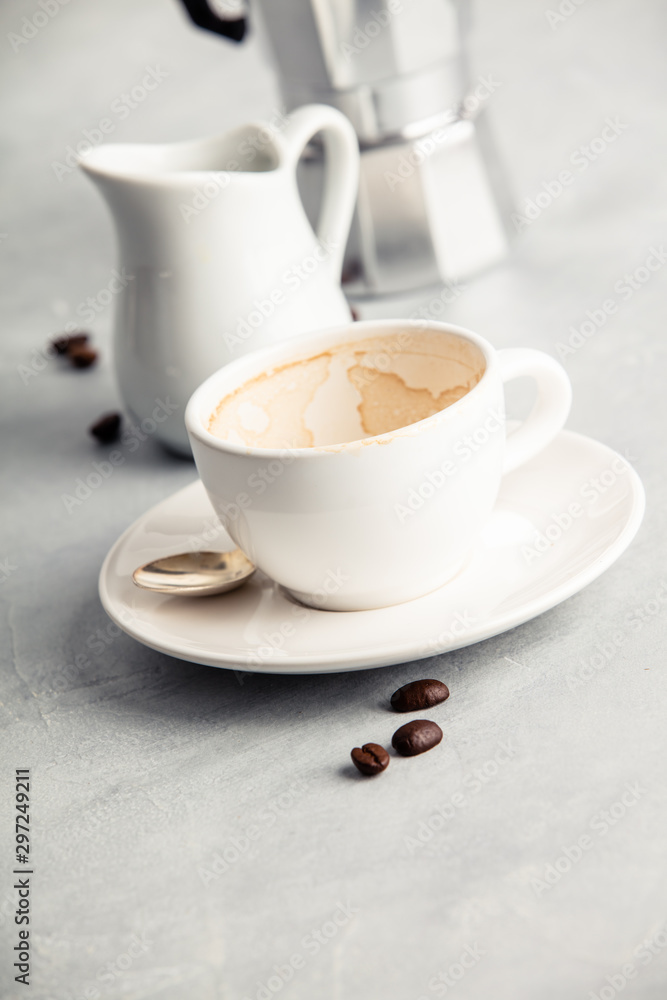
(388, 403)
(270, 410)
(350, 392)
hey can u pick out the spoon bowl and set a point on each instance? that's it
(195, 574)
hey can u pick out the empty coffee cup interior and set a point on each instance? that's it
(351, 391)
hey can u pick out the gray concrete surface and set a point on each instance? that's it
(144, 768)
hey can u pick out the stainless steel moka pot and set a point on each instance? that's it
(430, 203)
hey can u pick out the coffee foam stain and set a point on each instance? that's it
(350, 394)
(389, 403)
(282, 396)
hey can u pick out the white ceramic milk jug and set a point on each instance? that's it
(219, 256)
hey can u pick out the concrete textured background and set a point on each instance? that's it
(144, 768)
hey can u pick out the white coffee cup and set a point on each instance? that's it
(367, 523)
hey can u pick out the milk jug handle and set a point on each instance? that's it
(341, 175)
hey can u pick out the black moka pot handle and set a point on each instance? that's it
(205, 18)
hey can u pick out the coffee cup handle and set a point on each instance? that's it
(341, 177)
(551, 408)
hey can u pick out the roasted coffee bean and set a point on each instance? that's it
(107, 428)
(371, 758)
(82, 357)
(418, 695)
(69, 342)
(416, 737)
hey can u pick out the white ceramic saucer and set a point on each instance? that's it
(560, 521)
